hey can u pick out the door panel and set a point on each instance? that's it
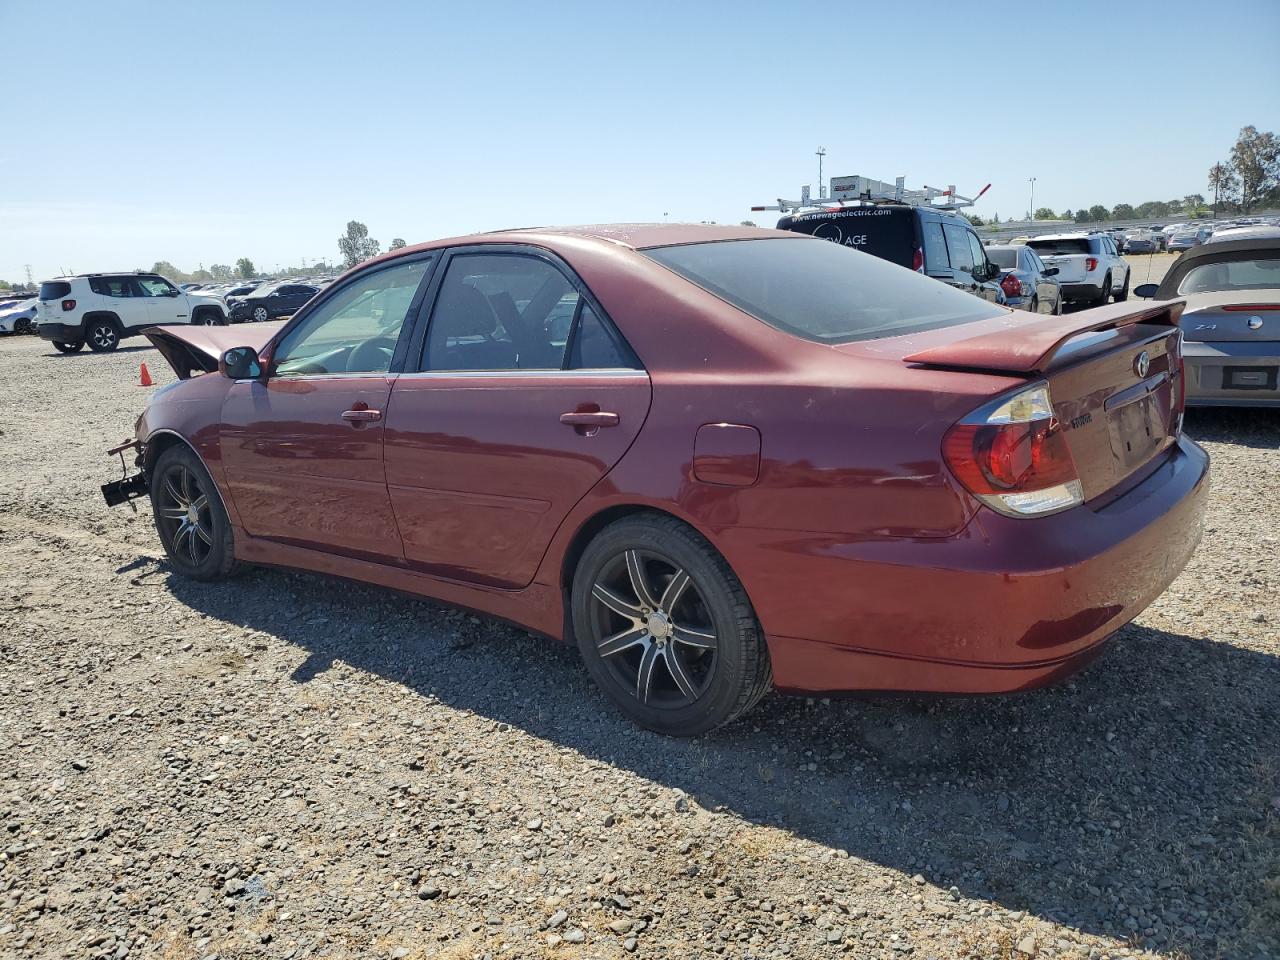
(481, 471)
(301, 473)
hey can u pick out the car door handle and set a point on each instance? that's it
(361, 415)
(587, 419)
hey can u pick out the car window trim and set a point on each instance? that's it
(417, 345)
(398, 357)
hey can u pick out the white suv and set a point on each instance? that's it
(1089, 266)
(101, 309)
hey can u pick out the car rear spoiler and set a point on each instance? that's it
(196, 349)
(1014, 345)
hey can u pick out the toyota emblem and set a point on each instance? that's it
(1142, 364)
(1255, 323)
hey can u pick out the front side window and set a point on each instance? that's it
(975, 248)
(355, 330)
(822, 291)
(958, 245)
(500, 312)
(155, 287)
(1260, 274)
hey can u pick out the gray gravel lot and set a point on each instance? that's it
(291, 766)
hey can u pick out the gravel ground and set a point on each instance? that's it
(290, 766)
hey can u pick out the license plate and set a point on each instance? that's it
(1249, 378)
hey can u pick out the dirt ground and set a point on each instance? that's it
(287, 766)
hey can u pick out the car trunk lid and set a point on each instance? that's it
(1216, 318)
(1114, 376)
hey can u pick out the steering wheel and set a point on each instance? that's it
(372, 356)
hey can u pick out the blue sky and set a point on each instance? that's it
(202, 132)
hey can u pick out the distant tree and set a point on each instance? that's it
(1122, 211)
(1046, 213)
(976, 220)
(1224, 185)
(1098, 213)
(357, 246)
(1082, 215)
(1173, 206)
(1068, 215)
(245, 269)
(397, 243)
(220, 271)
(5, 285)
(167, 269)
(1255, 160)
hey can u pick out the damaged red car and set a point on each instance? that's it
(718, 459)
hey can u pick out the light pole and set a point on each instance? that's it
(822, 191)
(1031, 215)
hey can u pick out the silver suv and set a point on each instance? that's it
(101, 309)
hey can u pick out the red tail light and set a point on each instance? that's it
(1090, 264)
(917, 261)
(1014, 456)
(1011, 285)
(68, 305)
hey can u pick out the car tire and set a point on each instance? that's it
(102, 336)
(1105, 295)
(1057, 306)
(74, 346)
(666, 629)
(1034, 306)
(190, 518)
(260, 314)
(208, 317)
(1123, 295)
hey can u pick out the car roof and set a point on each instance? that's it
(1223, 252)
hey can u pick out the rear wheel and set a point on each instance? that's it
(1035, 305)
(73, 346)
(1106, 292)
(666, 629)
(189, 516)
(103, 336)
(1124, 291)
(1057, 306)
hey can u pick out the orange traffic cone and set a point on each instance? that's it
(144, 378)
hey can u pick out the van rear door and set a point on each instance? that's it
(887, 232)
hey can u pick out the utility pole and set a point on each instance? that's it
(822, 190)
(1032, 215)
(28, 266)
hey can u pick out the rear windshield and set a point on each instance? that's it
(884, 232)
(54, 290)
(1051, 248)
(822, 291)
(1007, 259)
(1236, 275)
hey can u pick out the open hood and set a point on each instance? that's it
(196, 349)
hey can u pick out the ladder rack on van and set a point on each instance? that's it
(863, 191)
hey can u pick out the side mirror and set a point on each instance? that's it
(991, 271)
(240, 363)
(1146, 291)
(173, 293)
(1050, 271)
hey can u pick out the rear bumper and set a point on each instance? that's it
(1082, 291)
(1241, 374)
(1010, 604)
(62, 332)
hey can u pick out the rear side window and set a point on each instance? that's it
(821, 291)
(112, 286)
(1065, 246)
(958, 245)
(54, 290)
(884, 232)
(935, 247)
(595, 347)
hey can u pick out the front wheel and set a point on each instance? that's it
(1057, 306)
(261, 314)
(666, 629)
(72, 346)
(190, 518)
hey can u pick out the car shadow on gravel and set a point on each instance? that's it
(1255, 427)
(1142, 798)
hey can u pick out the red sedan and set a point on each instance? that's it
(719, 459)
